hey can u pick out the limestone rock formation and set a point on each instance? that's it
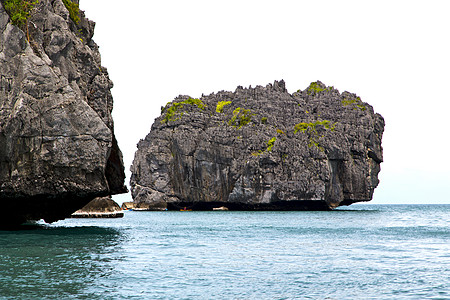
(260, 148)
(57, 145)
(100, 207)
(127, 205)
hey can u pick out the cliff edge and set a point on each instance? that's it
(57, 145)
(260, 148)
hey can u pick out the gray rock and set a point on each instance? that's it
(57, 144)
(200, 158)
(100, 207)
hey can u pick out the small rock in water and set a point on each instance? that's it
(101, 207)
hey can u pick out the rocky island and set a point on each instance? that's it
(260, 148)
(57, 145)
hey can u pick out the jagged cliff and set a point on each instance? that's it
(57, 145)
(260, 148)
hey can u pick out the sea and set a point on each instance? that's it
(363, 251)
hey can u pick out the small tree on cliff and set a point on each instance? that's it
(20, 11)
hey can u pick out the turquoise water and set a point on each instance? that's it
(361, 252)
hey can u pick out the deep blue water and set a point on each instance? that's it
(359, 252)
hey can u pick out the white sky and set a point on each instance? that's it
(394, 54)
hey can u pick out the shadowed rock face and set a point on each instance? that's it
(57, 144)
(264, 149)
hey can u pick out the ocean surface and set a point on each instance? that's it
(358, 252)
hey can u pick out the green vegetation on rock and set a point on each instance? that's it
(270, 143)
(315, 88)
(173, 110)
(304, 126)
(221, 104)
(241, 117)
(20, 11)
(74, 10)
(194, 101)
(356, 101)
(311, 130)
(263, 120)
(279, 131)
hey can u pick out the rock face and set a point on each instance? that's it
(57, 145)
(100, 207)
(128, 205)
(260, 148)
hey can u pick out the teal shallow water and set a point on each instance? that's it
(360, 252)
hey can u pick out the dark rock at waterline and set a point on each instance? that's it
(260, 149)
(57, 145)
(100, 207)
